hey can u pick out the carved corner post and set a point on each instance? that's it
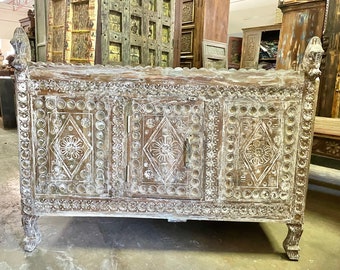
(20, 43)
(311, 67)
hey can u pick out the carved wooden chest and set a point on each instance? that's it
(165, 143)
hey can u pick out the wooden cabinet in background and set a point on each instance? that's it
(329, 94)
(255, 38)
(133, 32)
(187, 33)
(204, 33)
(300, 22)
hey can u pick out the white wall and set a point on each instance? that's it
(9, 20)
(250, 13)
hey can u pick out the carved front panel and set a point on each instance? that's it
(166, 149)
(71, 146)
(81, 43)
(259, 140)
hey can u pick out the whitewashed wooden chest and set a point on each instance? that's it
(166, 143)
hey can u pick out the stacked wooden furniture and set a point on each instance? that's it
(166, 143)
(301, 20)
(325, 169)
(189, 33)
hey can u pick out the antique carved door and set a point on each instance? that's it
(72, 31)
(191, 33)
(138, 32)
(56, 32)
(166, 150)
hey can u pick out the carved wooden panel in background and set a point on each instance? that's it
(250, 49)
(138, 32)
(72, 31)
(56, 34)
(188, 33)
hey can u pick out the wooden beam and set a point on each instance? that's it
(325, 126)
(324, 176)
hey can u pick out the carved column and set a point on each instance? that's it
(20, 43)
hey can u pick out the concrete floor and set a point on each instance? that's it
(120, 243)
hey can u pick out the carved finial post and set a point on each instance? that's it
(21, 45)
(311, 65)
(312, 59)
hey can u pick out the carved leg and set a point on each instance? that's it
(32, 234)
(291, 243)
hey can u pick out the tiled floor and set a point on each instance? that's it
(121, 243)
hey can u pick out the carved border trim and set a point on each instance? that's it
(171, 208)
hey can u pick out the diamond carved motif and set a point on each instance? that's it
(259, 153)
(164, 150)
(70, 147)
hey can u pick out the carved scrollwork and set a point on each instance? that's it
(291, 243)
(166, 207)
(311, 65)
(21, 45)
(312, 58)
(32, 233)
